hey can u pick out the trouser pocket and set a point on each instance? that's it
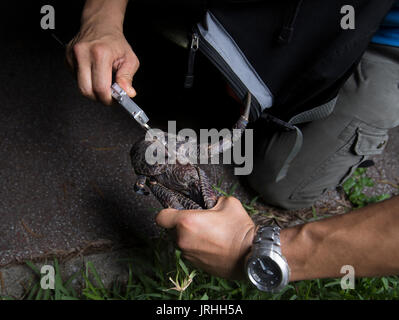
(361, 142)
(369, 141)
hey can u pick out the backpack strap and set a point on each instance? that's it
(317, 113)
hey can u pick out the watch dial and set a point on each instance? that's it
(265, 271)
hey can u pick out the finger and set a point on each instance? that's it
(219, 203)
(124, 74)
(83, 71)
(83, 76)
(231, 201)
(101, 77)
(69, 56)
(227, 206)
(167, 218)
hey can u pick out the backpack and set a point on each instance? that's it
(293, 56)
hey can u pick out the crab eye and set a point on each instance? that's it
(153, 180)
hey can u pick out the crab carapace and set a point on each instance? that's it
(181, 185)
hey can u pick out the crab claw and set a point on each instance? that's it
(139, 186)
(140, 189)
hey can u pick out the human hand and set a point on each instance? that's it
(216, 240)
(94, 53)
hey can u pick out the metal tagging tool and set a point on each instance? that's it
(124, 100)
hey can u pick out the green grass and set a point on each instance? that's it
(354, 189)
(249, 207)
(159, 272)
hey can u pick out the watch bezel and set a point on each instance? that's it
(281, 263)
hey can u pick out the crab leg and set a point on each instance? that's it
(224, 145)
(208, 194)
(171, 199)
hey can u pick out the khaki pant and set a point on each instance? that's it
(367, 106)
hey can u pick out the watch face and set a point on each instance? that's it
(265, 272)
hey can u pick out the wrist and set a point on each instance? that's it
(104, 13)
(296, 247)
(266, 267)
(245, 250)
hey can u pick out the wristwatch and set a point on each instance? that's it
(266, 267)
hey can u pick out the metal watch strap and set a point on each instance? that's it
(268, 237)
(267, 243)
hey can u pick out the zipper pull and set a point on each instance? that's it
(189, 78)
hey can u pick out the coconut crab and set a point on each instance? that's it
(182, 184)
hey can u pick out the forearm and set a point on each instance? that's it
(108, 12)
(99, 52)
(366, 239)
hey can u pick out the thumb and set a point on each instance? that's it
(167, 218)
(124, 76)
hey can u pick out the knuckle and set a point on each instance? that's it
(159, 216)
(124, 77)
(85, 92)
(101, 90)
(99, 51)
(136, 62)
(133, 61)
(188, 226)
(233, 200)
(186, 223)
(78, 48)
